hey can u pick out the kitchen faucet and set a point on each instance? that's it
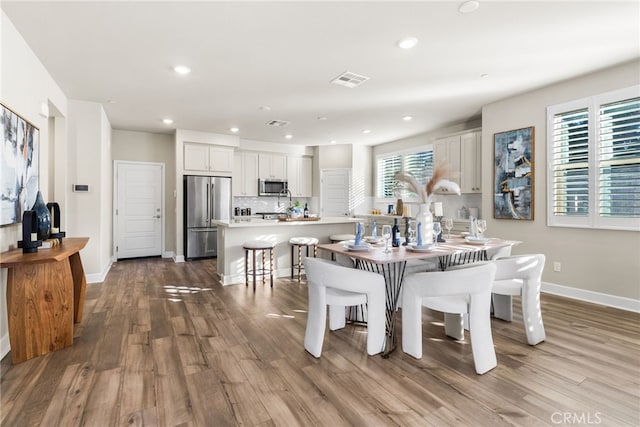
(285, 191)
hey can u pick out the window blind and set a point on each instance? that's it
(387, 167)
(619, 159)
(570, 163)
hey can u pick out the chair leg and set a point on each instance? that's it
(454, 325)
(484, 354)
(254, 269)
(503, 307)
(412, 324)
(299, 262)
(532, 317)
(293, 248)
(337, 318)
(316, 320)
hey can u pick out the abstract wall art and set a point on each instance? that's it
(18, 166)
(513, 183)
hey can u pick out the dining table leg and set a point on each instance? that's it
(393, 274)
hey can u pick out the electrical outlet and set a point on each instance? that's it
(557, 266)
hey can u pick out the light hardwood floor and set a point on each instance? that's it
(164, 344)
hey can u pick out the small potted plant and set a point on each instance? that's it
(295, 211)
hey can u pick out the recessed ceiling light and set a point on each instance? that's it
(234, 129)
(322, 118)
(182, 69)
(469, 6)
(288, 136)
(407, 42)
(484, 75)
(265, 108)
(366, 130)
(333, 141)
(167, 121)
(407, 118)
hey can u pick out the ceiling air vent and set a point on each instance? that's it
(277, 123)
(349, 79)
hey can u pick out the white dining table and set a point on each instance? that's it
(392, 265)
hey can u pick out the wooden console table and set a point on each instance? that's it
(45, 296)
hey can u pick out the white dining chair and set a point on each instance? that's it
(454, 292)
(336, 286)
(520, 275)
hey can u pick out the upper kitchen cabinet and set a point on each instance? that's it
(471, 162)
(208, 158)
(245, 174)
(299, 176)
(272, 166)
(448, 149)
(463, 153)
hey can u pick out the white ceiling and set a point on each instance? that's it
(245, 55)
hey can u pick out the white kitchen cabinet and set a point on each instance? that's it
(299, 176)
(272, 166)
(208, 158)
(448, 149)
(471, 162)
(463, 153)
(245, 174)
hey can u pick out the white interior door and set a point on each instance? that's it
(335, 191)
(139, 209)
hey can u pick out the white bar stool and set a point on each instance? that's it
(297, 243)
(335, 238)
(254, 246)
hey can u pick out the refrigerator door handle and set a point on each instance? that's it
(212, 201)
(208, 206)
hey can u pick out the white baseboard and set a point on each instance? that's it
(178, 258)
(168, 254)
(236, 279)
(614, 301)
(99, 277)
(5, 345)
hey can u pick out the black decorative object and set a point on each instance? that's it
(29, 242)
(54, 211)
(44, 219)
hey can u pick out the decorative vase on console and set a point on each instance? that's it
(44, 218)
(436, 182)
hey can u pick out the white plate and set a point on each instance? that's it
(423, 248)
(355, 248)
(372, 239)
(476, 240)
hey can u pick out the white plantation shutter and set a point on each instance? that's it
(387, 167)
(619, 159)
(418, 163)
(570, 163)
(593, 158)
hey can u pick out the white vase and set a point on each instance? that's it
(425, 218)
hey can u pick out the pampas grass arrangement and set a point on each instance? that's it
(436, 182)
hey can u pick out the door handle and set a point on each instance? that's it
(157, 216)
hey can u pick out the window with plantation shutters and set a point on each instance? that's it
(418, 163)
(594, 162)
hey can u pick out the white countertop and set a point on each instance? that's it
(256, 222)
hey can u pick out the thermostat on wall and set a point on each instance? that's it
(81, 188)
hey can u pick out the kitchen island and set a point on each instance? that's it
(232, 234)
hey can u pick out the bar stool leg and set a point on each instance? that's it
(271, 266)
(299, 262)
(293, 248)
(246, 268)
(254, 270)
(264, 265)
(315, 251)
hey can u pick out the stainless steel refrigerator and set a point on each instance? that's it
(206, 199)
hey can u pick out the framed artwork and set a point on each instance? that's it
(18, 166)
(513, 167)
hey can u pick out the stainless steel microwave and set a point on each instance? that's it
(272, 187)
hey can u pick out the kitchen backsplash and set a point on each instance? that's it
(268, 204)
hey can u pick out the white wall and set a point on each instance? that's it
(602, 261)
(24, 86)
(156, 148)
(89, 162)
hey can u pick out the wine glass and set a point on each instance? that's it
(386, 234)
(481, 226)
(437, 229)
(448, 224)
